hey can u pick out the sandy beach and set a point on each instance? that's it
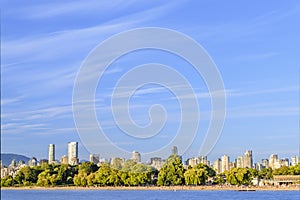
(214, 188)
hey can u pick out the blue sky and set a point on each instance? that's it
(255, 45)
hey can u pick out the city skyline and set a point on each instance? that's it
(221, 164)
(254, 45)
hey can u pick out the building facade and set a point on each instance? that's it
(73, 153)
(218, 166)
(174, 150)
(274, 161)
(248, 160)
(51, 153)
(225, 163)
(94, 158)
(240, 162)
(136, 156)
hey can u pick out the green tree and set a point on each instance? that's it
(266, 173)
(7, 181)
(44, 178)
(219, 179)
(284, 170)
(239, 176)
(117, 163)
(102, 175)
(88, 167)
(198, 175)
(172, 172)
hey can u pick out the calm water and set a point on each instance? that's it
(168, 195)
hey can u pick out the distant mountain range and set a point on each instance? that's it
(6, 158)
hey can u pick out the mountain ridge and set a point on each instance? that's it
(6, 158)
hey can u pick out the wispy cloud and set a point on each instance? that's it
(11, 100)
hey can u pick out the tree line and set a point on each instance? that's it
(137, 174)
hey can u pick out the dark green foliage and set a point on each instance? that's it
(172, 172)
(266, 173)
(198, 175)
(136, 174)
(240, 176)
(293, 170)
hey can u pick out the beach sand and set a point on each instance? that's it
(244, 188)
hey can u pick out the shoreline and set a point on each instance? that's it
(173, 188)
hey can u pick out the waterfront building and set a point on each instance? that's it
(51, 153)
(225, 163)
(295, 160)
(94, 158)
(248, 160)
(265, 163)
(197, 160)
(239, 162)
(13, 163)
(74, 161)
(174, 150)
(274, 161)
(156, 162)
(117, 163)
(258, 166)
(232, 165)
(64, 160)
(73, 153)
(43, 161)
(284, 162)
(193, 161)
(136, 156)
(203, 160)
(32, 162)
(218, 166)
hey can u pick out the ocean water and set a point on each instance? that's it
(145, 194)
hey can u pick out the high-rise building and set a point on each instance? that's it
(64, 160)
(274, 161)
(232, 165)
(225, 163)
(239, 162)
(51, 153)
(203, 160)
(193, 161)
(174, 150)
(73, 153)
(258, 166)
(248, 160)
(156, 162)
(32, 162)
(197, 160)
(284, 162)
(295, 160)
(94, 158)
(218, 166)
(265, 163)
(117, 163)
(136, 156)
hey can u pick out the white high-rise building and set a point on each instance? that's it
(218, 166)
(295, 160)
(274, 161)
(239, 162)
(73, 153)
(265, 163)
(51, 153)
(136, 156)
(248, 160)
(225, 163)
